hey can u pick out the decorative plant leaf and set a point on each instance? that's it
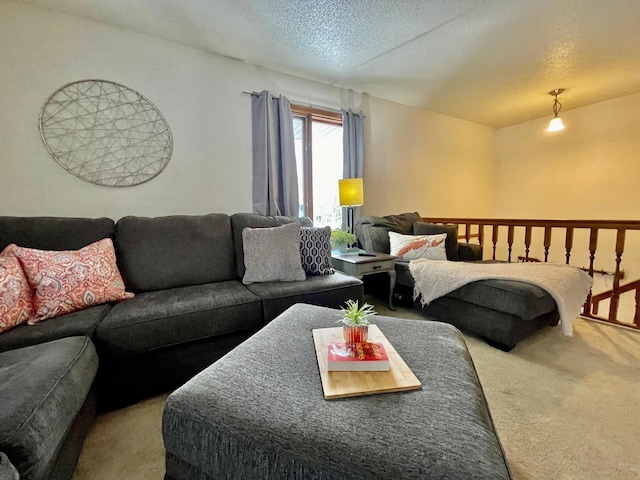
(354, 314)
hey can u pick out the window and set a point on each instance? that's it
(318, 146)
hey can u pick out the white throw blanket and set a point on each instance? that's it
(569, 286)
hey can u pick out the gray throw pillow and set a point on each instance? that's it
(315, 250)
(450, 244)
(272, 254)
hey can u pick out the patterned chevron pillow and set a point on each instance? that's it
(315, 250)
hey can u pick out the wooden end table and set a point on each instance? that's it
(358, 266)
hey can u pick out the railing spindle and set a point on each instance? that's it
(615, 297)
(636, 316)
(495, 240)
(527, 242)
(593, 245)
(568, 244)
(547, 242)
(510, 240)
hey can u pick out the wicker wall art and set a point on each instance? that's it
(105, 133)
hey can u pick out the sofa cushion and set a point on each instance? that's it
(240, 221)
(373, 232)
(16, 299)
(508, 296)
(272, 254)
(7, 470)
(170, 317)
(413, 247)
(54, 233)
(451, 244)
(174, 251)
(323, 290)
(42, 389)
(80, 323)
(70, 280)
(315, 250)
(517, 298)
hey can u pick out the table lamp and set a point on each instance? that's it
(351, 195)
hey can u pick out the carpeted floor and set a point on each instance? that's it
(564, 408)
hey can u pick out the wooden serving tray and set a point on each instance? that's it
(353, 384)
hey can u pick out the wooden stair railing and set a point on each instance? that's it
(474, 228)
(635, 285)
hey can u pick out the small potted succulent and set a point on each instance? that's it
(341, 240)
(356, 321)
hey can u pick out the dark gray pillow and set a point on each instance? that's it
(401, 223)
(272, 254)
(315, 250)
(373, 232)
(450, 244)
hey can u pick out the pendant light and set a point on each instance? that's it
(556, 122)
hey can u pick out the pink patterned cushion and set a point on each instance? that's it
(16, 302)
(70, 280)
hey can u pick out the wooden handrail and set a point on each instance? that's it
(502, 222)
(608, 293)
(570, 228)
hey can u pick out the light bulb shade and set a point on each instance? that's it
(351, 192)
(555, 124)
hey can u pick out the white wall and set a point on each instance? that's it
(407, 151)
(588, 170)
(423, 161)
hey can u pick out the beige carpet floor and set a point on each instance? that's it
(564, 408)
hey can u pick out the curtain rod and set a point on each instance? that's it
(255, 94)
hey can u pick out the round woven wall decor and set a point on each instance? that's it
(105, 133)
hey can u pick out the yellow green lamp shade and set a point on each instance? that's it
(351, 192)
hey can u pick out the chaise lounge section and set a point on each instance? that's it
(504, 312)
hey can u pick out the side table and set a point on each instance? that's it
(359, 266)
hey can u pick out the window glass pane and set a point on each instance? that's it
(327, 170)
(298, 138)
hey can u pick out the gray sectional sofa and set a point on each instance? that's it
(190, 308)
(504, 312)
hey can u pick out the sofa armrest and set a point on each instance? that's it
(469, 252)
(7, 470)
(374, 239)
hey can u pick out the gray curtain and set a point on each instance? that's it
(275, 176)
(353, 154)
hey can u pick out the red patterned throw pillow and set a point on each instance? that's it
(16, 304)
(70, 280)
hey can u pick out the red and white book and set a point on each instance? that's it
(357, 357)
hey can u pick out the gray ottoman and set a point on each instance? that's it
(259, 412)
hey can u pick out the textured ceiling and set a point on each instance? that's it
(487, 61)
